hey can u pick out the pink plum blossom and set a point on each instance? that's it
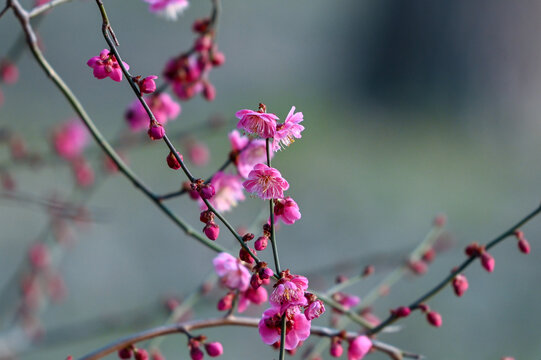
(70, 139)
(255, 152)
(232, 273)
(198, 153)
(238, 142)
(359, 347)
(250, 296)
(266, 182)
(106, 65)
(289, 291)
(148, 85)
(346, 300)
(297, 327)
(170, 9)
(162, 105)
(257, 123)
(314, 310)
(288, 130)
(286, 210)
(9, 73)
(228, 191)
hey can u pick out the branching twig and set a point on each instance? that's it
(22, 15)
(392, 318)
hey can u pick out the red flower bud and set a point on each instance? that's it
(434, 318)
(460, 284)
(214, 349)
(156, 131)
(212, 231)
(487, 261)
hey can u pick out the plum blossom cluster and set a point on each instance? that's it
(188, 73)
(290, 303)
(264, 125)
(235, 276)
(266, 182)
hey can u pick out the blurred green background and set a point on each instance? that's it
(410, 108)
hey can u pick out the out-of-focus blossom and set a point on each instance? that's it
(232, 273)
(70, 138)
(170, 9)
(162, 106)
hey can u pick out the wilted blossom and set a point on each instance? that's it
(257, 123)
(232, 273)
(70, 138)
(170, 9)
(297, 326)
(359, 347)
(106, 65)
(228, 191)
(288, 131)
(289, 291)
(266, 182)
(163, 107)
(286, 210)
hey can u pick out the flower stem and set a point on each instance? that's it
(271, 216)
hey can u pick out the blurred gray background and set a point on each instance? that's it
(410, 108)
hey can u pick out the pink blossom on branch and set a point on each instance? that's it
(297, 327)
(170, 9)
(289, 291)
(250, 296)
(238, 142)
(70, 138)
(228, 191)
(162, 105)
(106, 65)
(266, 182)
(359, 347)
(232, 273)
(254, 153)
(288, 131)
(286, 210)
(257, 123)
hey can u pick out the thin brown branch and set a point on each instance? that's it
(190, 326)
(38, 10)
